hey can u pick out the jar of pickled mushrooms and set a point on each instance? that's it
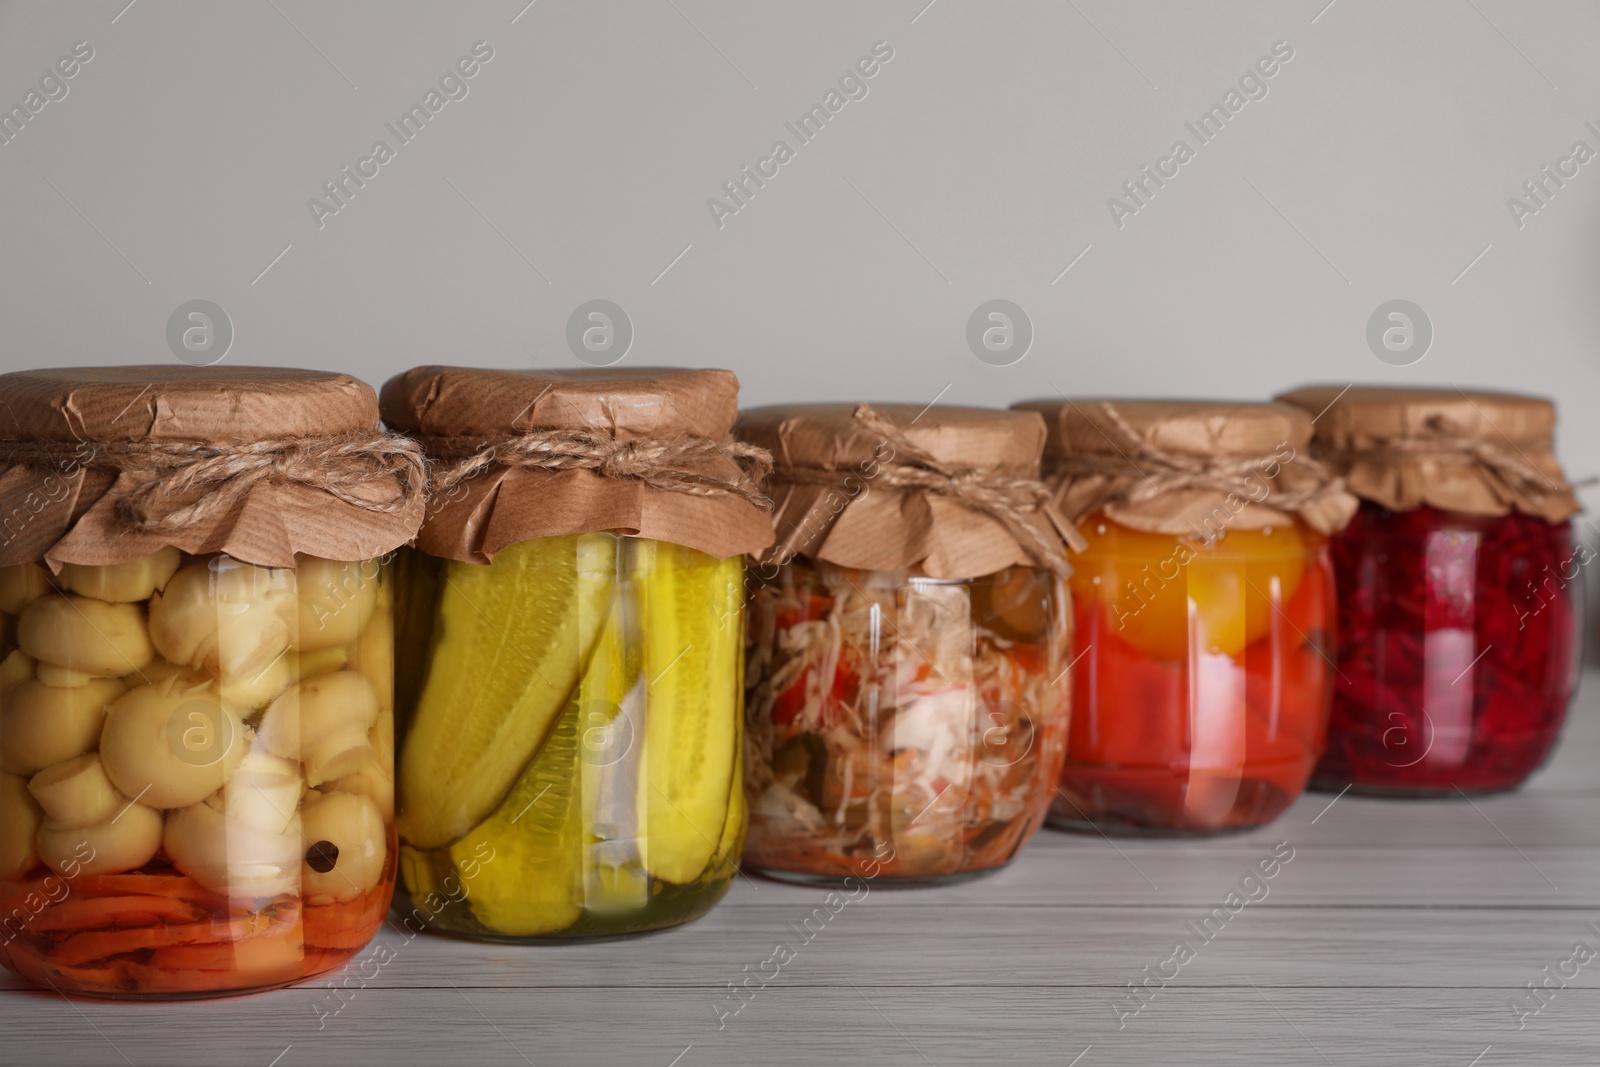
(196, 675)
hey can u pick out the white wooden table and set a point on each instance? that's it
(1398, 934)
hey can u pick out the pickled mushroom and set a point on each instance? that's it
(252, 693)
(45, 724)
(228, 855)
(335, 600)
(264, 793)
(126, 841)
(231, 618)
(21, 585)
(346, 847)
(372, 653)
(76, 792)
(18, 666)
(324, 723)
(371, 782)
(18, 827)
(84, 634)
(170, 745)
(122, 583)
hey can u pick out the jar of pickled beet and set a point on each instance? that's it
(571, 626)
(196, 694)
(907, 697)
(1459, 615)
(1205, 612)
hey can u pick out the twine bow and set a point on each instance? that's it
(1160, 472)
(377, 472)
(1010, 501)
(679, 465)
(1514, 470)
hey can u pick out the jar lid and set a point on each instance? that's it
(171, 403)
(1188, 467)
(540, 453)
(833, 437)
(102, 465)
(951, 490)
(1480, 453)
(624, 402)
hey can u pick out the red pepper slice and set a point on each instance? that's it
(793, 699)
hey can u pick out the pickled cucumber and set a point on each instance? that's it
(692, 644)
(731, 845)
(509, 643)
(630, 800)
(534, 884)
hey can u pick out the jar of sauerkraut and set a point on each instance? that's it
(1205, 612)
(907, 701)
(570, 635)
(196, 695)
(1459, 588)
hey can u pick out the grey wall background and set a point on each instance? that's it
(1377, 166)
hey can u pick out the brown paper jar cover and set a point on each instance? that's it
(1167, 466)
(68, 513)
(1443, 448)
(506, 504)
(857, 523)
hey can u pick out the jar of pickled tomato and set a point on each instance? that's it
(1459, 589)
(1204, 612)
(196, 694)
(907, 701)
(571, 626)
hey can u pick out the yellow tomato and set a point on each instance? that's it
(1171, 596)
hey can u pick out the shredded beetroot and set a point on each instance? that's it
(1457, 650)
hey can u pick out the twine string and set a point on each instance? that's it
(1508, 464)
(1159, 471)
(682, 464)
(1013, 502)
(193, 483)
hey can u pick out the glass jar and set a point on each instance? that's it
(1459, 621)
(571, 715)
(903, 728)
(1458, 650)
(1202, 687)
(906, 676)
(196, 675)
(571, 737)
(196, 771)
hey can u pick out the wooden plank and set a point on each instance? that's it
(1220, 1027)
(1398, 933)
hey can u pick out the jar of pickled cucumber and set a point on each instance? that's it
(196, 691)
(1205, 612)
(1459, 589)
(907, 675)
(571, 634)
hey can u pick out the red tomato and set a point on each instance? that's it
(1126, 704)
(1167, 595)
